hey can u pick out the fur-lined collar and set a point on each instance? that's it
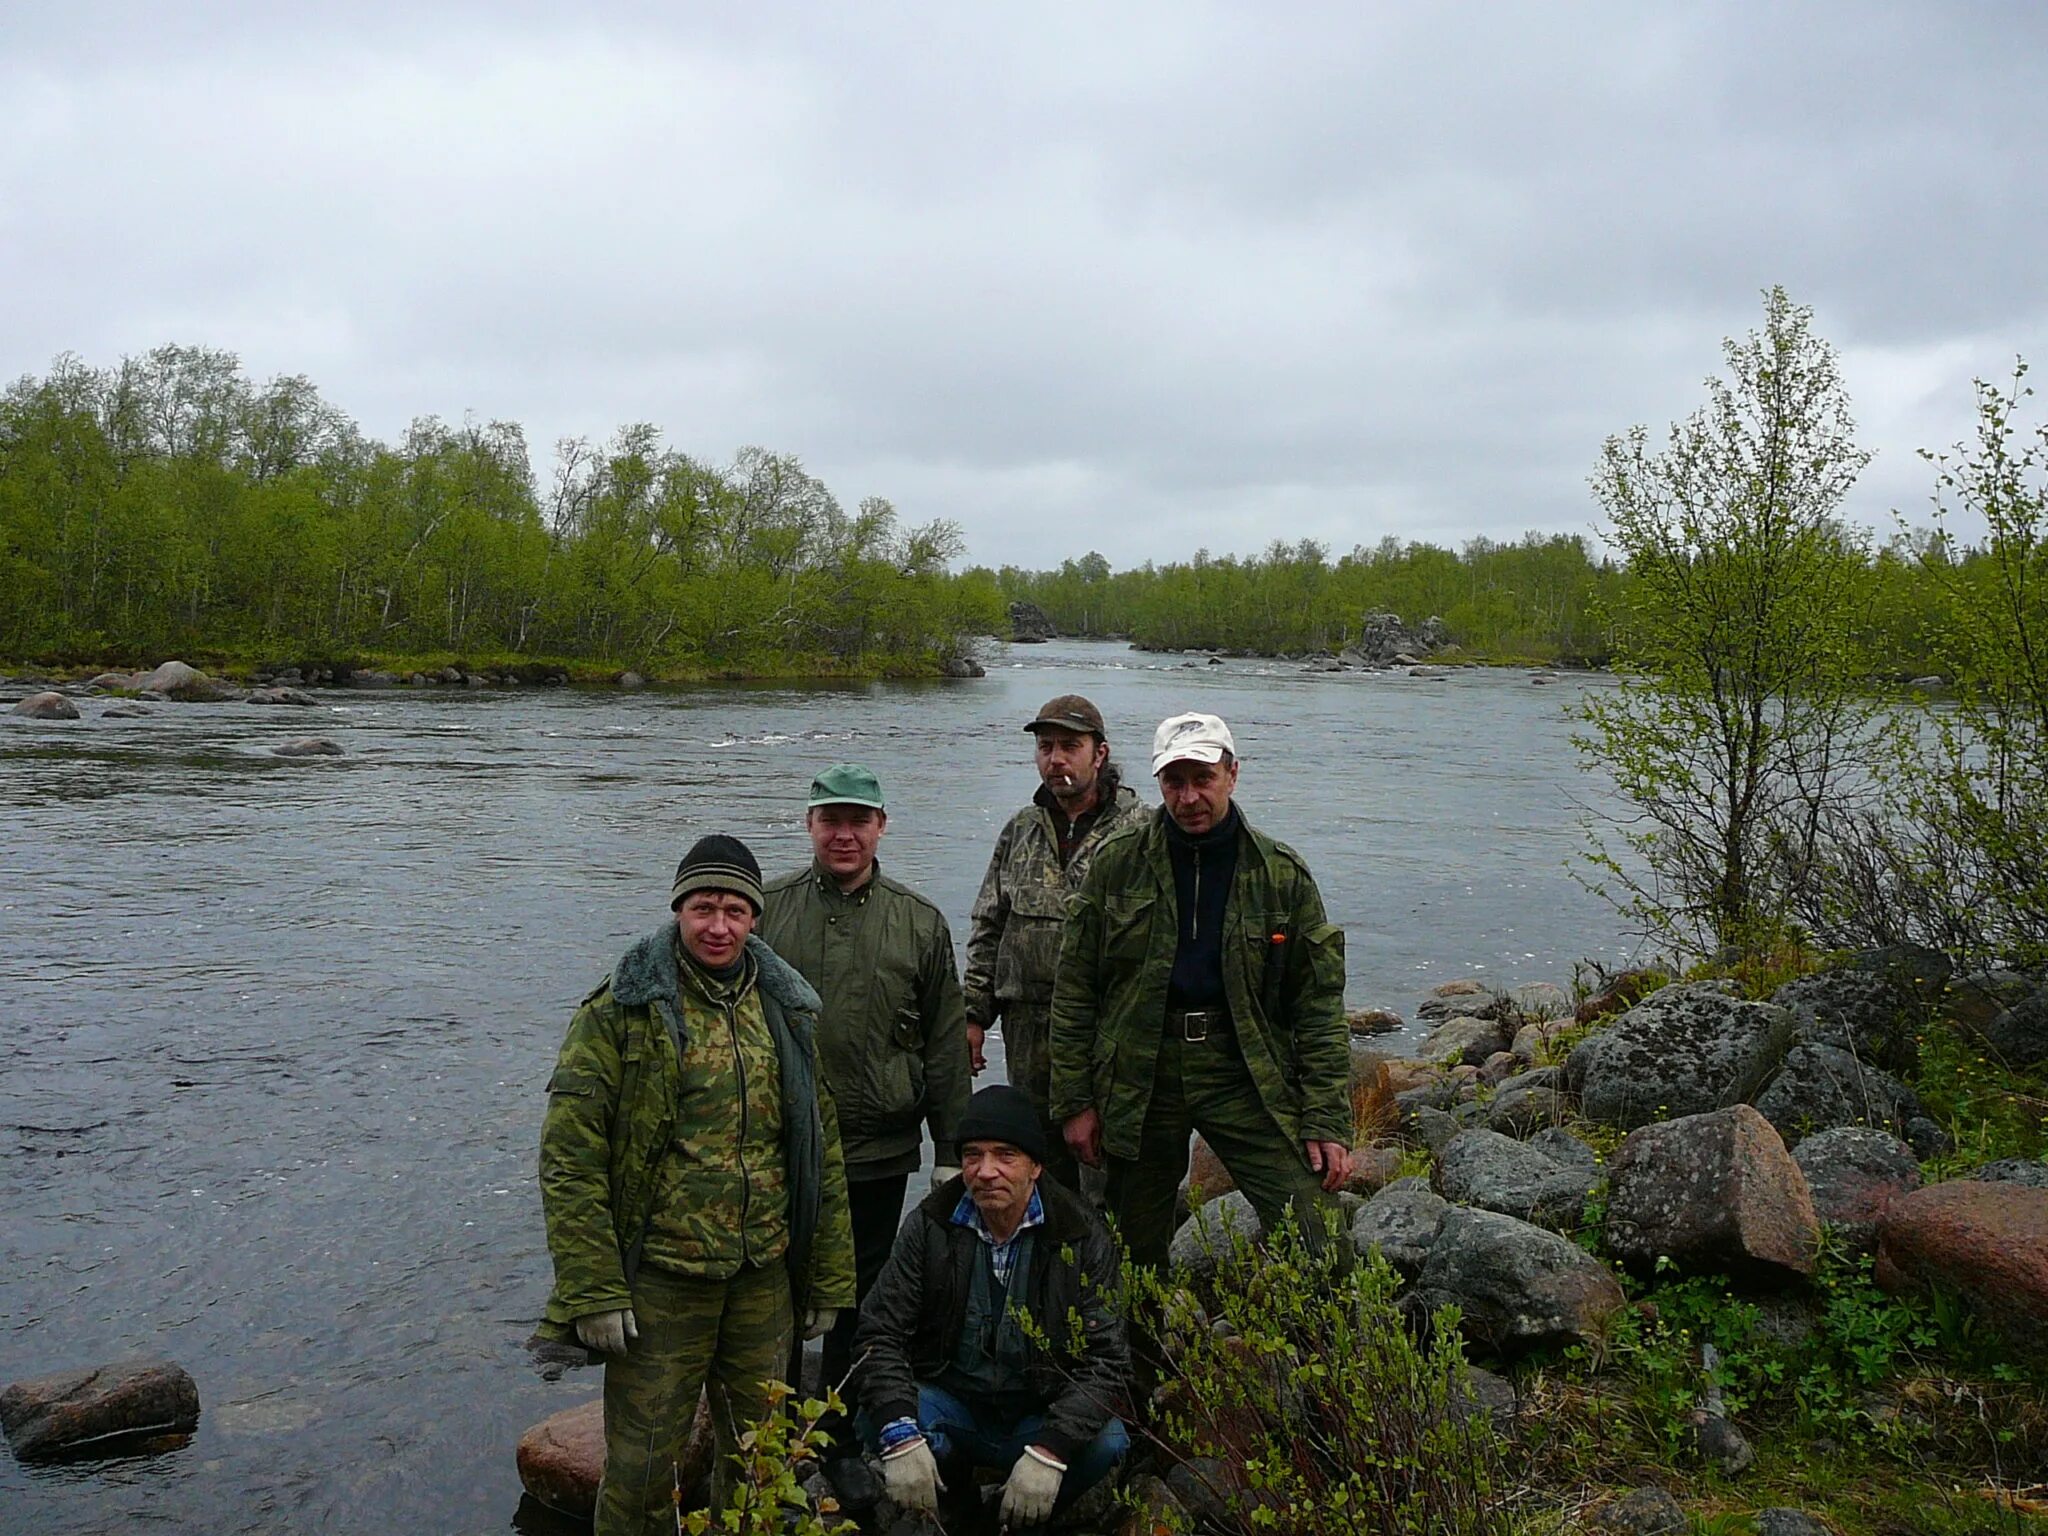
(648, 971)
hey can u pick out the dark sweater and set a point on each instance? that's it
(1203, 867)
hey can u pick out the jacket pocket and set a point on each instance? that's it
(1127, 926)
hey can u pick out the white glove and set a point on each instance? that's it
(607, 1332)
(1033, 1486)
(942, 1172)
(911, 1474)
(819, 1320)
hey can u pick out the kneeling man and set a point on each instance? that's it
(966, 1351)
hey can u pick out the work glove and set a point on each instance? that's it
(943, 1172)
(911, 1474)
(1033, 1486)
(607, 1332)
(819, 1320)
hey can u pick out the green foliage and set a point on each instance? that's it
(1340, 1421)
(170, 505)
(765, 1499)
(1745, 706)
(1991, 1111)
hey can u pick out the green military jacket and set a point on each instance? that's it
(1013, 937)
(614, 1104)
(892, 1038)
(1286, 993)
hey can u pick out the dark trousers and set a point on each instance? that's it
(877, 1209)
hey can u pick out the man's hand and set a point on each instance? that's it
(911, 1474)
(607, 1332)
(977, 1036)
(819, 1320)
(1332, 1159)
(1033, 1486)
(1083, 1133)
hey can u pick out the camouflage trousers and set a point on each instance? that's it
(1027, 1048)
(1205, 1086)
(727, 1337)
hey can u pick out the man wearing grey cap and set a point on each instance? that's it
(892, 1038)
(1013, 942)
(1201, 987)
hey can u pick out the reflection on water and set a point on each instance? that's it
(276, 1029)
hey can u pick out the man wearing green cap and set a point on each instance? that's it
(892, 1038)
(692, 1183)
(1013, 943)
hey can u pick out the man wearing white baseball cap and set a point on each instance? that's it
(1201, 987)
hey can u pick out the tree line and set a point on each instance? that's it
(170, 504)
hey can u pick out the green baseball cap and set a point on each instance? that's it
(847, 784)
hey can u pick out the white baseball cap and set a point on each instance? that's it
(1191, 738)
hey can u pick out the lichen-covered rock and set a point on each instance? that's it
(2019, 1035)
(2013, 1170)
(107, 1406)
(1639, 1512)
(1209, 1236)
(1516, 1286)
(1873, 1005)
(1822, 1086)
(1498, 1173)
(1986, 1242)
(1716, 1192)
(1464, 1039)
(1683, 1050)
(1854, 1173)
(1400, 1222)
(1029, 625)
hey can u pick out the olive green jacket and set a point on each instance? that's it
(1286, 994)
(892, 1037)
(613, 1104)
(1013, 937)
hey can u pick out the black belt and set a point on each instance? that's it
(1196, 1025)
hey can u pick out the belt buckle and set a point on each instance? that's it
(1194, 1025)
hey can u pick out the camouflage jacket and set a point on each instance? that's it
(1283, 971)
(1013, 938)
(892, 1036)
(613, 1105)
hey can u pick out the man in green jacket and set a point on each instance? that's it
(893, 1037)
(691, 1178)
(1013, 940)
(1201, 987)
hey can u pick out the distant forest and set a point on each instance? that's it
(171, 506)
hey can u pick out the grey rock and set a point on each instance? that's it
(280, 695)
(1498, 1068)
(121, 680)
(474, 680)
(1534, 1038)
(1517, 1286)
(1481, 1391)
(632, 681)
(2013, 1170)
(372, 680)
(1561, 1146)
(1822, 1086)
(1437, 1093)
(45, 706)
(1461, 999)
(1927, 1138)
(1715, 1192)
(1203, 1486)
(1978, 997)
(1719, 1443)
(1466, 1039)
(1029, 625)
(308, 746)
(1873, 1006)
(1683, 1050)
(124, 712)
(1780, 1521)
(2020, 1034)
(175, 680)
(1498, 1173)
(1432, 1127)
(1401, 1221)
(104, 1407)
(963, 666)
(1640, 1512)
(1208, 1237)
(1538, 1000)
(1854, 1172)
(1522, 1109)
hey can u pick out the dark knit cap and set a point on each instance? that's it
(1003, 1113)
(718, 863)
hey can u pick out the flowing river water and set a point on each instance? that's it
(273, 1032)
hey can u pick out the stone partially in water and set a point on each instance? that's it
(561, 1458)
(106, 1408)
(175, 680)
(45, 706)
(308, 746)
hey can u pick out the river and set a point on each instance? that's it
(273, 1032)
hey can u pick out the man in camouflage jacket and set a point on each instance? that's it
(692, 1182)
(1201, 987)
(1013, 942)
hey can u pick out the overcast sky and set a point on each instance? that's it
(1137, 279)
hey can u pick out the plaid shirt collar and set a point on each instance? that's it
(1003, 1255)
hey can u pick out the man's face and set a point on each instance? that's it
(999, 1179)
(1197, 795)
(714, 926)
(1069, 762)
(844, 837)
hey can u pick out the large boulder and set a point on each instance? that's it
(1516, 1286)
(280, 694)
(1029, 625)
(1873, 1005)
(1465, 1039)
(1461, 999)
(45, 706)
(175, 680)
(1683, 1050)
(104, 1408)
(1210, 1235)
(1822, 1086)
(1715, 1191)
(1985, 1242)
(1854, 1173)
(1383, 638)
(562, 1457)
(1400, 1223)
(2019, 1035)
(1498, 1173)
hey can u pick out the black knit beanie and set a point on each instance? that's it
(1003, 1113)
(718, 863)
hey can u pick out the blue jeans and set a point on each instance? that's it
(959, 1431)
